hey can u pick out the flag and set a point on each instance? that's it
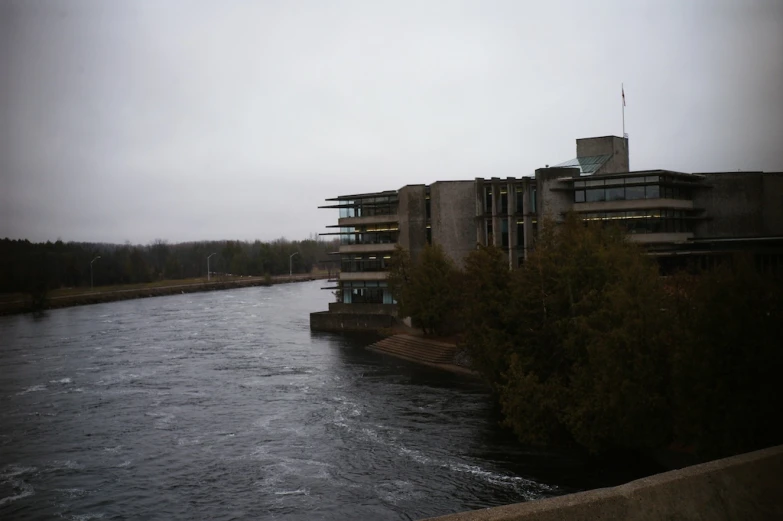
(622, 88)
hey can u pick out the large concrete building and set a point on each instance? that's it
(675, 215)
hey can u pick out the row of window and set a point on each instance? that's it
(367, 296)
(631, 193)
(376, 234)
(505, 240)
(503, 199)
(645, 221)
(362, 264)
(370, 206)
(363, 284)
(637, 180)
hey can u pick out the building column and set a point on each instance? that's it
(512, 225)
(495, 213)
(528, 216)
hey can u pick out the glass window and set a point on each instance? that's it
(520, 199)
(615, 194)
(520, 233)
(503, 201)
(488, 199)
(579, 184)
(579, 196)
(633, 193)
(615, 182)
(595, 195)
(504, 233)
(595, 183)
(652, 192)
(650, 179)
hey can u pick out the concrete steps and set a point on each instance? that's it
(416, 349)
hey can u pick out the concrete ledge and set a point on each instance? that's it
(374, 309)
(746, 487)
(339, 322)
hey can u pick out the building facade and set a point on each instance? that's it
(674, 215)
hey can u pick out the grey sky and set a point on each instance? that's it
(188, 120)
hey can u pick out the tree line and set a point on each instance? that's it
(587, 344)
(29, 267)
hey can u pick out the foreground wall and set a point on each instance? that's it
(747, 487)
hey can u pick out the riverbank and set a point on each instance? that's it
(19, 303)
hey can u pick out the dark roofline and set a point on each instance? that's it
(363, 196)
(737, 172)
(599, 137)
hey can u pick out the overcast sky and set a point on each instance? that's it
(187, 120)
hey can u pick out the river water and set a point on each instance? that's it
(224, 405)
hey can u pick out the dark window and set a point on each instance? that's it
(520, 197)
(488, 199)
(615, 194)
(579, 196)
(504, 233)
(595, 195)
(520, 233)
(633, 193)
(652, 192)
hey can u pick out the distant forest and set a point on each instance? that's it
(26, 266)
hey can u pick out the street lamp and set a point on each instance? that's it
(95, 259)
(208, 266)
(290, 264)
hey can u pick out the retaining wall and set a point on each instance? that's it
(745, 487)
(331, 321)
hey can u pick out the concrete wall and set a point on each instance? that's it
(733, 205)
(553, 203)
(453, 217)
(339, 322)
(597, 146)
(412, 214)
(747, 487)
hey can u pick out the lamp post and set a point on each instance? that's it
(290, 264)
(95, 259)
(208, 265)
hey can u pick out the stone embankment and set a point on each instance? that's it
(433, 353)
(747, 487)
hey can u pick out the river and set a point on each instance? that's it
(224, 405)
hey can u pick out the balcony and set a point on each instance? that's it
(367, 220)
(367, 248)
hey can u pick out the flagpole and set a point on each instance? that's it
(622, 90)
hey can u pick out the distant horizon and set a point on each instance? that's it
(167, 242)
